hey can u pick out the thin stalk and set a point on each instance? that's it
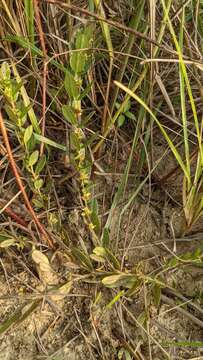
(20, 183)
(45, 64)
(29, 17)
(183, 103)
(138, 82)
(26, 99)
(186, 79)
(111, 22)
(134, 23)
(107, 37)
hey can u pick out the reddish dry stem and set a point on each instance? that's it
(20, 183)
(39, 25)
(15, 217)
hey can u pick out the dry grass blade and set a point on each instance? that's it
(110, 22)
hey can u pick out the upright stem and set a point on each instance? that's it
(20, 183)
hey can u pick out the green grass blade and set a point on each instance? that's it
(19, 315)
(25, 44)
(187, 82)
(105, 27)
(29, 16)
(183, 103)
(134, 23)
(26, 99)
(170, 143)
(184, 344)
(50, 142)
(138, 82)
(119, 111)
(107, 36)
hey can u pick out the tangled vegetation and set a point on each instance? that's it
(101, 178)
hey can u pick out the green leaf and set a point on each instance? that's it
(156, 290)
(29, 17)
(31, 145)
(85, 91)
(82, 258)
(10, 112)
(78, 59)
(173, 262)
(105, 27)
(94, 215)
(7, 243)
(91, 139)
(16, 86)
(97, 258)
(105, 238)
(27, 134)
(40, 165)
(87, 118)
(83, 37)
(38, 203)
(38, 184)
(71, 86)
(23, 111)
(25, 44)
(69, 114)
(130, 115)
(5, 71)
(19, 315)
(50, 142)
(121, 120)
(127, 106)
(118, 280)
(100, 251)
(112, 259)
(4, 237)
(197, 344)
(33, 158)
(135, 288)
(123, 352)
(142, 318)
(26, 100)
(115, 299)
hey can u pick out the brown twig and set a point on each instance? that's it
(20, 183)
(110, 22)
(44, 81)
